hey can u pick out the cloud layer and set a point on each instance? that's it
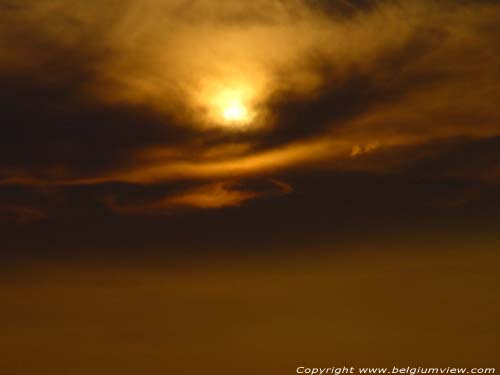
(109, 92)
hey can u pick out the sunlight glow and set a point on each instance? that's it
(235, 111)
(231, 107)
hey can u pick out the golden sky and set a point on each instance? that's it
(246, 186)
(217, 92)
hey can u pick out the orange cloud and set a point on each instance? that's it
(209, 196)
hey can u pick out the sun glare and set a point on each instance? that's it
(235, 111)
(231, 107)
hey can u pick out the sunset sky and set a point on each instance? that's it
(176, 176)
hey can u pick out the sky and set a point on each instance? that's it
(197, 161)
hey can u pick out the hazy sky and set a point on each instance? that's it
(172, 171)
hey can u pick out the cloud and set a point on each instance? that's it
(209, 196)
(122, 92)
(20, 214)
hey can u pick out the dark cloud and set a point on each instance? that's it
(51, 126)
(461, 159)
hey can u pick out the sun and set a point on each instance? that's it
(235, 111)
(231, 107)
